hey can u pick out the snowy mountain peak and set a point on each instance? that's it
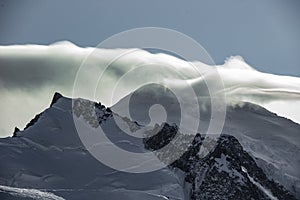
(249, 160)
(56, 96)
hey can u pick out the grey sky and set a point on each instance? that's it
(264, 32)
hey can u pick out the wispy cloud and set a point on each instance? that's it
(30, 74)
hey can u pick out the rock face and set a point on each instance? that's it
(50, 161)
(55, 98)
(228, 172)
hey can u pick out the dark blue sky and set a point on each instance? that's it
(264, 32)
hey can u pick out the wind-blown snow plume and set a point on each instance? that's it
(30, 74)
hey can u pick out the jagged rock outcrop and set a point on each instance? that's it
(55, 98)
(227, 172)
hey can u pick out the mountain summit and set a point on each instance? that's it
(48, 159)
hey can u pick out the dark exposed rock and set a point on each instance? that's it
(16, 131)
(55, 98)
(108, 110)
(33, 121)
(227, 172)
(162, 136)
(93, 113)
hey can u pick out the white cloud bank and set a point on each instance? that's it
(30, 74)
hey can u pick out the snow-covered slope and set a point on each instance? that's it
(273, 141)
(49, 157)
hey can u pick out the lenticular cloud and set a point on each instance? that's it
(30, 74)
